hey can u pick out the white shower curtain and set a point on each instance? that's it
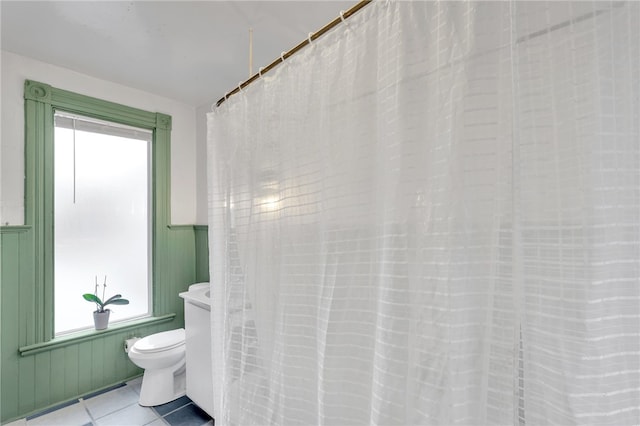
(431, 215)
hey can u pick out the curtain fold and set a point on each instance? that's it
(576, 95)
(430, 216)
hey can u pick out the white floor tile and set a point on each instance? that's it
(73, 415)
(21, 422)
(133, 415)
(135, 384)
(110, 402)
(159, 422)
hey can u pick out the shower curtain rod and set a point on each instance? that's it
(286, 55)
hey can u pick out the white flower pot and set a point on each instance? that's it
(101, 319)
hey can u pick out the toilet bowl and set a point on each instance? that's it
(162, 355)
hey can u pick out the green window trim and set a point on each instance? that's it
(83, 336)
(181, 227)
(41, 102)
(14, 229)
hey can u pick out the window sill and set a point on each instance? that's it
(82, 336)
(14, 229)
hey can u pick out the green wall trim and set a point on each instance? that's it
(76, 397)
(14, 229)
(83, 336)
(181, 227)
(202, 252)
(38, 370)
(37, 91)
(41, 102)
(163, 121)
(31, 383)
(93, 107)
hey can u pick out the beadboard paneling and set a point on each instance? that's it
(34, 382)
(202, 252)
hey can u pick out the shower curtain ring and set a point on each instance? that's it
(282, 56)
(240, 87)
(260, 71)
(342, 16)
(309, 38)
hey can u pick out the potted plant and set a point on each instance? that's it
(101, 315)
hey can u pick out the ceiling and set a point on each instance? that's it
(190, 51)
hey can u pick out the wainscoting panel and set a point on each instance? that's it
(31, 383)
(202, 252)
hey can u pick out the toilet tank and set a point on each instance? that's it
(197, 325)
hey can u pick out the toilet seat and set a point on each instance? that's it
(160, 342)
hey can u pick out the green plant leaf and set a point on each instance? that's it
(113, 301)
(92, 298)
(110, 300)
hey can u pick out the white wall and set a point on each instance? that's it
(202, 209)
(16, 68)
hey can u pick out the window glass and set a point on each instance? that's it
(102, 219)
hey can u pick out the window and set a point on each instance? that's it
(102, 218)
(42, 104)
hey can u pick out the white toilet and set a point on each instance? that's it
(162, 355)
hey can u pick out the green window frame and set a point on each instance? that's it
(41, 102)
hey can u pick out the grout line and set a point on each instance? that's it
(173, 411)
(104, 391)
(115, 410)
(158, 417)
(93, 421)
(81, 401)
(52, 409)
(163, 421)
(184, 406)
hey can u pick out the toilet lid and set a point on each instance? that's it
(161, 341)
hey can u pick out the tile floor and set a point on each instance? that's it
(118, 406)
